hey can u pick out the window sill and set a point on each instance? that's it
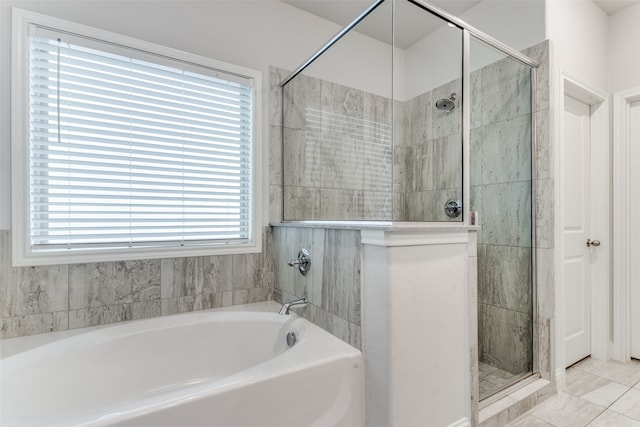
(22, 259)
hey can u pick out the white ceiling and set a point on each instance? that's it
(611, 7)
(415, 26)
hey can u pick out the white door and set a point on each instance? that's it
(634, 208)
(575, 198)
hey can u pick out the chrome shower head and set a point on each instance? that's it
(446, 104)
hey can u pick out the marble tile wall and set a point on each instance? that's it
(276, 167)
(337, 151)
(428, 155)
(544, 359)
(473, 326)
(332, 284)
(42, 299)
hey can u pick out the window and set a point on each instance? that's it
(130, 150)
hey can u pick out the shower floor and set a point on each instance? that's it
(492, 379)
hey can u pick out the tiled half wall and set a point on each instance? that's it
(332, 284)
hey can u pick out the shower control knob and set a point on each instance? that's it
(453, 208)
(595, 243)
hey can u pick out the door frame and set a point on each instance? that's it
(600, 219)
(621, 343)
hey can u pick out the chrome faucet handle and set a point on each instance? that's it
(287, 305)
(303, 262)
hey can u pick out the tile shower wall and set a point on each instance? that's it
(544, 213)
(53, 298)
(337, 152)
(428, 156)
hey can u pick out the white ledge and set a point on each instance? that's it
(416, 237)
(379, 225)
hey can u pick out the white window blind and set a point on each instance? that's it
(130, 153)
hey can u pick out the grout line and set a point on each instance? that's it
(604, 409)
(610, 381)
(605, 378)
(620, 397)
(544, 421)
(596, 417)
(537, 418)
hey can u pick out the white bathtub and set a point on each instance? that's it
(216, 368)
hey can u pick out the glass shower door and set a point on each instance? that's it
(501, 191)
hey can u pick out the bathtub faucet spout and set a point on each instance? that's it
(287, 305)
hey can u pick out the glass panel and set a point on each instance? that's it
(337, 150)
(501, 146)
(428, 116)
(345, 158)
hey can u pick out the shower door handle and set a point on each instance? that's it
(595, 243)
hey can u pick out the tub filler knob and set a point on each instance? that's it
(303, 262)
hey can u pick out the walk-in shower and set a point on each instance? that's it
(404, 112)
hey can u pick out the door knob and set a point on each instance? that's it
(595, 243)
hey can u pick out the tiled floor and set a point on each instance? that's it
(492, 379)
(598, 394)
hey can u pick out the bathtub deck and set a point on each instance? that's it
(11, 346)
